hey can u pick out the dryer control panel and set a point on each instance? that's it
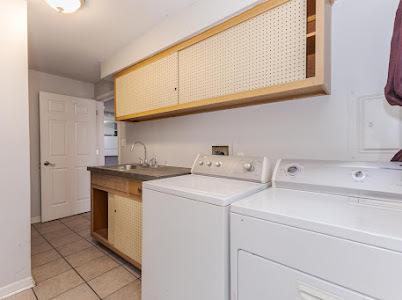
(250, 168)
(360, 179)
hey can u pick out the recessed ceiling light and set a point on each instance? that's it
(66, 6)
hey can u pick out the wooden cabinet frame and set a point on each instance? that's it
(317, 81)
(101, 186)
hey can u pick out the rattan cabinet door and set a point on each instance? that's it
(264, 51)
(128, 227)
(146, 88)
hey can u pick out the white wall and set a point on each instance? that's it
(319, 127)
(39, 81)
(185, 23)
(15, 259)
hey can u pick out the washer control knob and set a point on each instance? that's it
(201, 163)
(248, 167)
(209, 163)
(359, 175)
(293, 170)
(218, 164)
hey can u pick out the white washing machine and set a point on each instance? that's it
(186, 227)
(324, 231)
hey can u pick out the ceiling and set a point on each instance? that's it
(73, 45)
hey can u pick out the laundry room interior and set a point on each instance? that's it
(199, 149)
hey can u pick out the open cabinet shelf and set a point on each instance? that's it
(100, 213)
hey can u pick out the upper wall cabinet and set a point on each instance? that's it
(277, 50)
(148, 87)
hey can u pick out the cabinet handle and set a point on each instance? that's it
(139, 189)
(115, 210)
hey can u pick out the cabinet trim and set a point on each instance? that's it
(298, 89)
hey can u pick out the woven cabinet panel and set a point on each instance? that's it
(128, 227)
(267, 50)
(150, 87)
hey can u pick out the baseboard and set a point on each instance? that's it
(35, 219)
(16, 287)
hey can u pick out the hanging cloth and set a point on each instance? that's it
(397, 157)
(393, 89)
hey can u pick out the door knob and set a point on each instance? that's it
(46, 163)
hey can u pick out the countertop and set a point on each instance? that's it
(140, 173)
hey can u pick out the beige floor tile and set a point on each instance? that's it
(50, 236)
(80, 227)
(37, 240)
(82, 292)
(131, 291)
(34, 232)
(57, 285)
(50, 227)
(133, 270)
(39, 225)
(85, 233)
(87, 216)
(111, 281)
(71, 218)
(25, 295)
(74, 247)
(76, 221)
(44, 258)
(66, 239)
(36, 249)
(50, 270)
(92, 241)
(96, 267)
(80, 258)
(110, 253)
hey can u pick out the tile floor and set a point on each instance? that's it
(68, 264)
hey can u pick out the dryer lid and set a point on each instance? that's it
(368, 221)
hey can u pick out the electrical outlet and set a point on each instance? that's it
(220, 150)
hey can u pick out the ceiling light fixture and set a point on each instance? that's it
(66, 6)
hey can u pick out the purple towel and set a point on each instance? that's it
(397, 157)
(393, 89)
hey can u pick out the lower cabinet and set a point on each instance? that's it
(125, 225)
(116, 207)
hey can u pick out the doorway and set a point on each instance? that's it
(110, 135)
(68, 146)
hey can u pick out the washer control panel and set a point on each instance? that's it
(362, 179)
(250, 168)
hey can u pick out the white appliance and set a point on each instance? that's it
(186, 227)
(324, 231)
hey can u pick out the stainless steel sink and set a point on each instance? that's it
(128, 167)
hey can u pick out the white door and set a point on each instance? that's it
(68, 146)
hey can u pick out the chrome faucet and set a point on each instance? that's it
(144, 161)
